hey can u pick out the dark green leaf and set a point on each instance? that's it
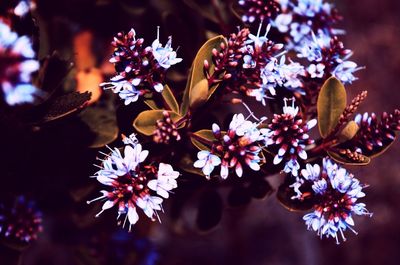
(186, 163)
(63, 106)
(170, 99)
(197, 70)
(145, 122)
(207, 135)
(103, 123)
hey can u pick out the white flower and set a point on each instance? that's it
(316, 71)
(292, 166)
(337, 192)
(131, 140)
(344, 71)
(125, 89)
(290, 109)
(15, 78)
(166, 180)
(311, 172)
(289, 73)
(241, 125)
(150, 205)
(282, 22)
(299, 31)
(206, 161)
(165, 56)
(257, 39)
(22, 93)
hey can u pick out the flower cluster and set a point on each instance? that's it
(239, 146)
(374, 134)
(17, 64)
(20, 221)
(258, 11)
(328, 57)
(301, 18)
(252, 66)
(139, 69)
(133, 183)
(166, 130)
(335, 192)
(289, 134)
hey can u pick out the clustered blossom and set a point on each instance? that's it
(20, 221)
(239, 146)
(166, 130)
(134, 183)
(335, 192)
(301, 18)
(259, 10)
(373, 134)
(17, 63)
(328, 57)
(139, 69)
(288, 134)
(252, 66)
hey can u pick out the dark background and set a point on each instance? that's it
(263, 233)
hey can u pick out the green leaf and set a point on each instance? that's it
(207, 135)
(145, 122)
(63, 106)
(103, 123)
(348, 132)
(343, 159)
(330, 105)
(151, 103)
(198, 94)
(186, 163)
(170, 99)
(197, 70)
(52, 72)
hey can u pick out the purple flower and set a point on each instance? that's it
(17, 64)
(336, 193)
(20, 220)
(288, 133)
(132, 183)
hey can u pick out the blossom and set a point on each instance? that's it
(256, 11)
(132, 183)
(207, 162)
(336, 194)
(139, 69)
(327, 56)
(24, 7)
(289, 135)
(17, 65)
(239, 146)
(304, 17)
(374, 133)
(166, 130)
(166, 180)
(165, 56)
(20, 220)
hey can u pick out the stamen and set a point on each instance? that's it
(96, 199)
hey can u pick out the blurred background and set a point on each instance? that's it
(53, 166)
